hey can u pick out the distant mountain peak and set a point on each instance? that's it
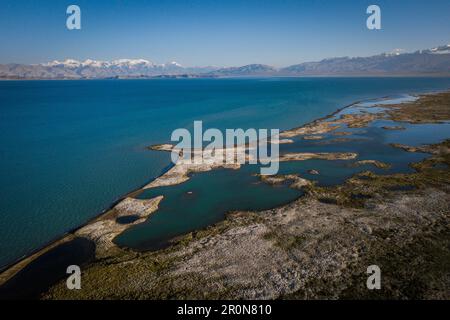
(66, 63)
(174, 63)
(441, 50)
(395, 52)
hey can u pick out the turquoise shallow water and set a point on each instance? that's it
(202, 201)
(70, 148)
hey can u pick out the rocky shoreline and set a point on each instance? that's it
(289, 252)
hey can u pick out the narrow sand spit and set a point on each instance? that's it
(104, 230)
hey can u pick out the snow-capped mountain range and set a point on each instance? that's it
(435, 61)
(92, 69)
(128, 63)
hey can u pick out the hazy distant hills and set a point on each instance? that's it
(434, 61)
(248, 70)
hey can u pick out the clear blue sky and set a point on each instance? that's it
(219, 32)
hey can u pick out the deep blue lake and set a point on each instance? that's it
(68, 149)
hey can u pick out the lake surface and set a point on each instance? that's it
(68, 149)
